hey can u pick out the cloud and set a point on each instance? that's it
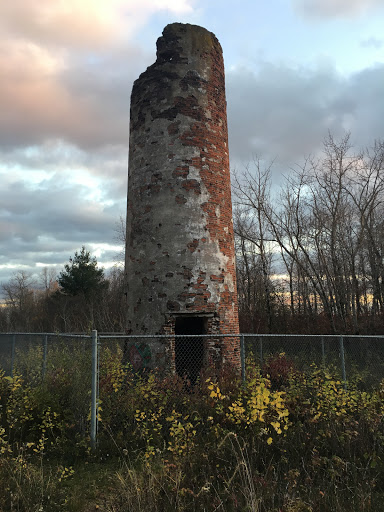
(280, 111)
(286, 113)
(372, 42)
(323, 9)
(55, 216)
(86, 24)
(67, 68)
(83, 103)
(57, 208)
(365, 88)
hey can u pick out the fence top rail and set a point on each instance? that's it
(314, 335)
(368, 336)
(165, 336)
(57, 334)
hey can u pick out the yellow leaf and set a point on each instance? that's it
(269, 440)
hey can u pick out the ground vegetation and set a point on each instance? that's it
(284, 441)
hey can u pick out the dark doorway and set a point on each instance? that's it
(189, 352)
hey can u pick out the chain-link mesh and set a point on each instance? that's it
(59, 366)
(350, 357)
(141, 377)
(136, 378)
(7, 347)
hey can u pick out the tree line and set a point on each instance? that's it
(310, 256)
(80, 299)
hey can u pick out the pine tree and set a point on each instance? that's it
(81, 276)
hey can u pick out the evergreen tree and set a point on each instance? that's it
(81, 276)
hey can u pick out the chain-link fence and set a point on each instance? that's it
(100, 381)
(57, 369)
(358, 358)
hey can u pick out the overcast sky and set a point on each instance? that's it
(294, 70)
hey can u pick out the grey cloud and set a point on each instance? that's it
(48, 221)
(366, 87)
(111, 162)
(325, 9)
(86, 104)
(55, 157)
(286, 113)
(59, 213)
(372, 42)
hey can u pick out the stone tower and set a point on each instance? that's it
(180, 259)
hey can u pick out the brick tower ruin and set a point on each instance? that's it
(180, 257)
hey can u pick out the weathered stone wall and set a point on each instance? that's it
(180, 247)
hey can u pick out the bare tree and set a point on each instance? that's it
(328, 222)
(257, 291)
(48, 279)
(19, 299)
(120, 237)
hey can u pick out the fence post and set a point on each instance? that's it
(342, 358)
(13, 354)
(261, 350)
(242, 356)
(45, 348)
(322, 351)
(94, 390)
